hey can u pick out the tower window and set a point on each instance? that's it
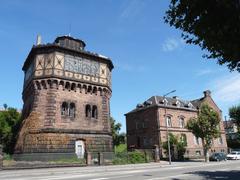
(72, 110)
(64, 109)
(88, 111)
(94, 112)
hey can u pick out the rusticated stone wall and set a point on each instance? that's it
(45, 130)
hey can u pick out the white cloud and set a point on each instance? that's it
(132, 9)
(131, 68)
(227, 88)
(172, 44)
(203, 72)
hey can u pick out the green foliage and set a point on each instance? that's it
(214, 25)
(234, 113)
(121, 148)
(9, 125)
(117, 137)
(136, 157)
(178, 142)
(133, 157)
(7, 157)
(233, 143)
(205, 126)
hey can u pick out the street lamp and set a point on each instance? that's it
(166, 121)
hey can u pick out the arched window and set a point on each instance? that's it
(72, 110)
(64, 109)
(168, 121)
(88, 111)
(94, 112)
(181, 122)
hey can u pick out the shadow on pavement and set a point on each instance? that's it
(234, 175)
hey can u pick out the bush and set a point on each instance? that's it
(136, 157)
(129, 157)
(7, 156)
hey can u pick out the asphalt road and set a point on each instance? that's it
(150, 171)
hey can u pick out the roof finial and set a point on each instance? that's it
(39, 40)
(69, 34)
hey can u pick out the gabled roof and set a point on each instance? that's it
(173, 103)
(168, 102)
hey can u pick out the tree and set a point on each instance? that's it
(117, 137)
(176, 143)
(5, 106)
(206, 127)
(234, 113)
(214, 25)
(9, 126)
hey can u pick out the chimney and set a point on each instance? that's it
(207, 93)
(39, 39)
(175, 97)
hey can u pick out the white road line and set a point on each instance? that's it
(99, 179)
(165, 177)
(115, 177)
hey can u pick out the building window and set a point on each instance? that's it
(220, 141)
(94, 112)
(72, 110)
(64, 109)
(88, 111)
(168, 121)
(198, 153)
(196, 140)
(181, 122)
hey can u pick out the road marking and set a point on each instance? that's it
(165, 177)
(99, 179)
(115, 177)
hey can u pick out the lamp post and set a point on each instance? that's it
(166, 121)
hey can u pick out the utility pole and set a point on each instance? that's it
(166, 121)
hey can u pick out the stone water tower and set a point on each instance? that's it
(66, 95)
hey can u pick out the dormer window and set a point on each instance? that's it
(165, 101)
(190, 105)
(178, 103)
(147, 103)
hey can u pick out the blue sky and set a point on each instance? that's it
(150, 57)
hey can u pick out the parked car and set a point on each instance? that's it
(234, 155)
(218, 157)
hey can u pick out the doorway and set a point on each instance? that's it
(79, 149)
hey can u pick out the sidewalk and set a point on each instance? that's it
(41, 165)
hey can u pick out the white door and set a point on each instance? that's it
(79, 149)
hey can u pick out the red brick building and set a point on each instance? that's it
(147, 125)
(66, 95)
